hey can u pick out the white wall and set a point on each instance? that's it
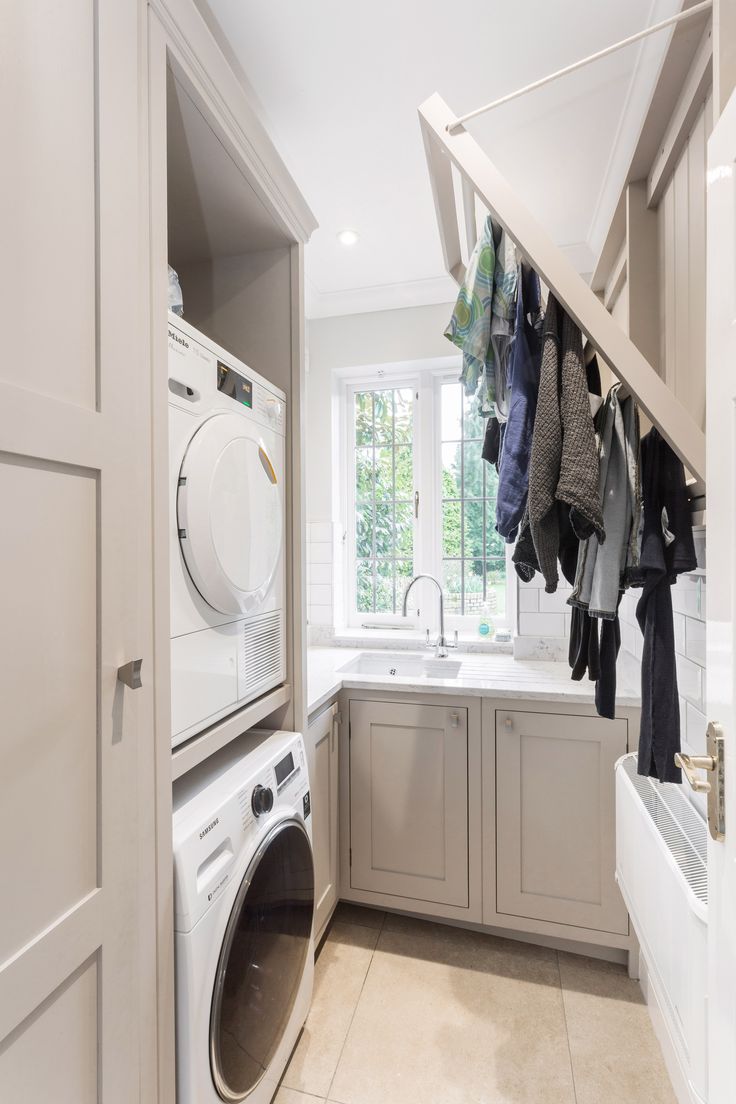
(349, 341)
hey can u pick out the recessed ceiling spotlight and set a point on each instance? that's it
(348, 237)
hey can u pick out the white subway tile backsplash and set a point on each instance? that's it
(528, 599)
(696, 728)
(320, 615)
(690, 681)
(686, 596)
(320, 531)
(679, 620)
(320, 552)
(320, 573)
(541, 624)
(320, 595)
(695, 641)
(554, 603)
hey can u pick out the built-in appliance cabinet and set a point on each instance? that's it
(489, 812)
(322, 761)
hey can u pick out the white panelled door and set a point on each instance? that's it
(75, 513)
(721, 443)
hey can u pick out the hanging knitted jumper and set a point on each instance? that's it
(564, 458)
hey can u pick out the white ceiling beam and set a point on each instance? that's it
(656, 399)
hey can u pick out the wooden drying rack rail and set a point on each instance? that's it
(481, 178)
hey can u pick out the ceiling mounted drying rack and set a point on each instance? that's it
(448, 144)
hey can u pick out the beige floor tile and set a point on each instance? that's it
(348, 913)
(454, 1017)
(291, 1096)
(340, 971)
(615, 1054)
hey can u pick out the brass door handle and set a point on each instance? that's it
(689, 764)
(713, 762)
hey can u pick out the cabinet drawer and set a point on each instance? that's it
(555, 809)
(409, 801)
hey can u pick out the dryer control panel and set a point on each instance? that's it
(202, 373)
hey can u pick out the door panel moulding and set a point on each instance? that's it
(460, 149)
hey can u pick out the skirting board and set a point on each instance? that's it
(681, 1086)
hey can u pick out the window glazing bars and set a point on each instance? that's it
(689, 13)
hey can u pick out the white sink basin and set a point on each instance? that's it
(401, 665)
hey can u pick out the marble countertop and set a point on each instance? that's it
(496, 676)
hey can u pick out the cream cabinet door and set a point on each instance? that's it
(409, 801)
(76, 750)
(322, 745)
(555, 830)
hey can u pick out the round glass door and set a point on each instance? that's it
(262, 960)
(229, 513)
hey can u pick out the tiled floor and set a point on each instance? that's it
(410, 1012)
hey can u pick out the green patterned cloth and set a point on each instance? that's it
(470, 325)
(482, 321)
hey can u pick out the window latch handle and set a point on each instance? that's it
(416, 504)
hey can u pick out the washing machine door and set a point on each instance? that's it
(267, 940)
(230, 512)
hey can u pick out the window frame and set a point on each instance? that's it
(426, 379)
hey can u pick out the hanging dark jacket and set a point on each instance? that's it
(564, 457)
(667, 550)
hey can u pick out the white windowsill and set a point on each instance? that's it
(402, 640)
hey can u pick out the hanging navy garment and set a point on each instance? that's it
(523, 379)
(667, 550)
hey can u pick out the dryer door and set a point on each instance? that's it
(263, 955)
(230, 512)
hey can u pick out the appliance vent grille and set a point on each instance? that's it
(263, 654)
(682, 829)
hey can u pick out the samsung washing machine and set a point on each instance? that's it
(226, 453)
(244, 908)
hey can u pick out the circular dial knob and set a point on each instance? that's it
(261, 800)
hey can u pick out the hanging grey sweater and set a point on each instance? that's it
(564, 458)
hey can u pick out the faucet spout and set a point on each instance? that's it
(441, 646)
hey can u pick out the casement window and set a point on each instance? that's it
(418, 497)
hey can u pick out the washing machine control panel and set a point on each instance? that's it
(219, 834)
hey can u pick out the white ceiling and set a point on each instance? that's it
(339, 84)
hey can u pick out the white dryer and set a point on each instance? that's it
(244, 907)
(226, 452)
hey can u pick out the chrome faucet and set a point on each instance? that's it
(441, 644)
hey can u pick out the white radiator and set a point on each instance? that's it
(661, 868)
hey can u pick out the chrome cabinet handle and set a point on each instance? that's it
(130, 674)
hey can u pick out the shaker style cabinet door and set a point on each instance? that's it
(555, 829)
(409, 801)
(322, 743)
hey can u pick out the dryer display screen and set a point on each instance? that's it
(234, 385)
(284, 769)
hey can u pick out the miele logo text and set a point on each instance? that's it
(177, 337)
(209, 827)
